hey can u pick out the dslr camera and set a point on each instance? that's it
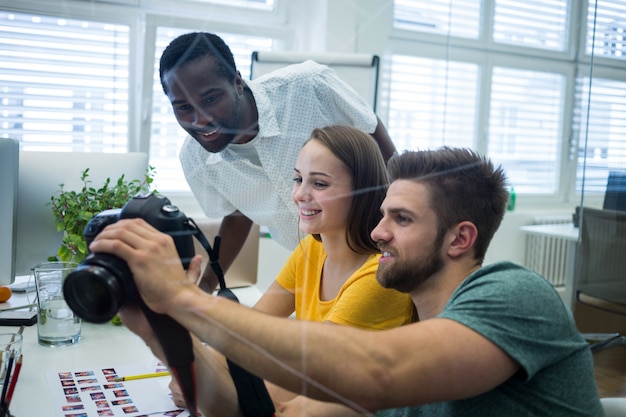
(103, 283)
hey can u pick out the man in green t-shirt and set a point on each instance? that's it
(491, 341)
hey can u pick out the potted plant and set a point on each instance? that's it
(74, 209)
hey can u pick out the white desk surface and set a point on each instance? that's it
(101, 345)
(565, 231)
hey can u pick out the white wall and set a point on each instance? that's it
(509, 243)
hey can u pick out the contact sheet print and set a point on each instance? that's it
(95, 393)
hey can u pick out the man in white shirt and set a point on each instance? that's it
(253, 131)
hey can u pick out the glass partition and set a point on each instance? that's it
(600, 128)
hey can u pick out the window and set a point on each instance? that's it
(516, 93)
(601, 122)
(260, 4)
(537, 24)
(524, 127)
(432, 102)
(504, 77)
(455, 17)
(608, 19)
(64, 83)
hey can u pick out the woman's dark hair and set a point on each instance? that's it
(360, 154)
(192, 46)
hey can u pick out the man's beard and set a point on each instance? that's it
(406, 276)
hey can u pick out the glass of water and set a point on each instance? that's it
(57, 325)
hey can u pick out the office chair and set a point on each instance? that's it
(601, 268)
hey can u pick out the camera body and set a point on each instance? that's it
(103, 283)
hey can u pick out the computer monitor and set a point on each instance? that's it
(9, 169)
(40, 176)
(615, 195)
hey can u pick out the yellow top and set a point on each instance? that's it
(361, 301)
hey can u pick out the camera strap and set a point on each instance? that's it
(178, 348)
(252, 395)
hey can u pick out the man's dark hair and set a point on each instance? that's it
(191, 46)
(463, 186)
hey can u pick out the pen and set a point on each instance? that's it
(18, 307)
(141, 376)
(13, 383)
(3, 397)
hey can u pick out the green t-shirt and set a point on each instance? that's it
(522, 313)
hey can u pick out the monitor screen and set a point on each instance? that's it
(9, 168)
(40, 176)
(615, 195)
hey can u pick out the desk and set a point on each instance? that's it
(571, 234)
(101, 345)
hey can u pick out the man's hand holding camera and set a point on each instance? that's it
(149, 253)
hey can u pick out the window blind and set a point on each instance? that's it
(525, 121)
(431, 102)
(444, 17)
(259, 4)
(538, 24)
(608, 18)
(600, 120)
(64, 83)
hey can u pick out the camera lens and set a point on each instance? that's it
(94, 293)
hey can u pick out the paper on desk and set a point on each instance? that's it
(93, 393)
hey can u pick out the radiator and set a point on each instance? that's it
(547, 255)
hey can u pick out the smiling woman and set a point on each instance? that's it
(322, 191)
(339, 183)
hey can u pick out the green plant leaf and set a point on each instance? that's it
(82, 247)
(64, 254)
(72, 210)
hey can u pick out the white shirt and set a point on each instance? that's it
(291, 102)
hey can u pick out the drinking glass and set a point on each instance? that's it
(57, 325)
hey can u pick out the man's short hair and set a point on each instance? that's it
(191, 46)
(463, 186)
